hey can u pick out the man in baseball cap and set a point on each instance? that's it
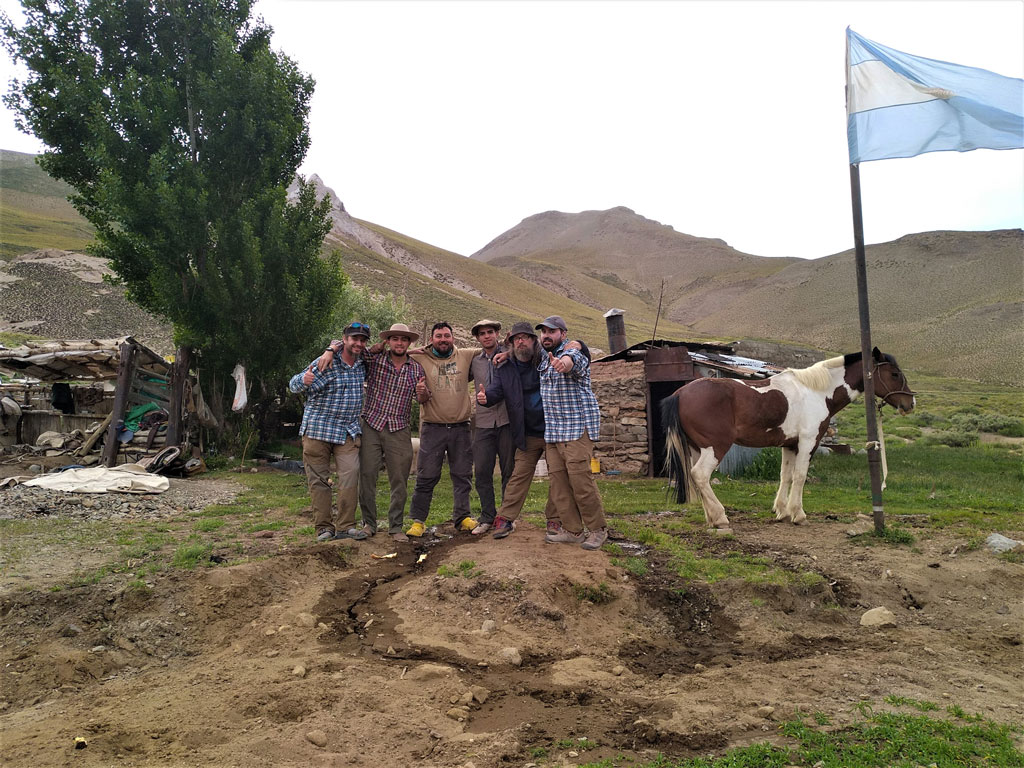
(554, 323)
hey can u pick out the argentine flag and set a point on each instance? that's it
(899, 105)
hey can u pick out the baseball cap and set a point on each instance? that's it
(357, 329)
(554, 322)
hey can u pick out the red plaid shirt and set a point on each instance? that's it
(389, 392)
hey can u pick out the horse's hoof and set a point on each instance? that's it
(800, 520)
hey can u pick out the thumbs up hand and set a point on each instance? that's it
(481, 396)
(307, 377)
(422, 392)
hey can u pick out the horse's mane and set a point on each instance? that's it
(818, 376)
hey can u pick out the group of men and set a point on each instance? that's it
(533, 398)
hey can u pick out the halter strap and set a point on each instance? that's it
(885, 398)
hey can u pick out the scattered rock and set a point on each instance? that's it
(429, 672)
(488, 626)
(480, 693)
(466, 699)
(861, 525)
(998, 543)
(618, 669)
(458, 713)
(698, 667)
(263, 534)
(765, 712)
(305, 620)
(71, 630)
(299, 670)
(318, 737)
(878, 617)
(511, 655)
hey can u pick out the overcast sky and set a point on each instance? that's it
(453, 121)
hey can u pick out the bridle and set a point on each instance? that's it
(885, 398)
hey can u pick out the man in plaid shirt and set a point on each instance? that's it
(330, 431)
(387, 426)
(572, 421)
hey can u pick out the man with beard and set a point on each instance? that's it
(492, 435)
(571, 422)
(517, 384)
(331, 433)
(391, 381)
(444, 428)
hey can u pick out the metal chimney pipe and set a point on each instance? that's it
(616, 324)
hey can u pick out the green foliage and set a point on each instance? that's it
(466, 569)
(766, 465)
(191, 554)
(599, 595)
(904, 701)
(179, 128)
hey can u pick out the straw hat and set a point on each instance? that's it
(399, 329)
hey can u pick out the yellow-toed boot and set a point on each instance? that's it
(467, 524)
(417, 529)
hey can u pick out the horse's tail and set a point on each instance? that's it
(677, 457)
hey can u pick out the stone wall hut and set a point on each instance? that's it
(631, 383)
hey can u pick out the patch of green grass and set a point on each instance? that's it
(637, 566)
(889, 535)
(209, 524)
(466, 569)
(904, 701)
(191, 554)
(582, 744)
(599, 595)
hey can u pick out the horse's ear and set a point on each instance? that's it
(876, 354)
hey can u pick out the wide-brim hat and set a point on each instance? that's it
(486, 324)
(399, 329)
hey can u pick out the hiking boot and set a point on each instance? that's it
(417, 529)
(358, 534)
(481, 529)
(325, 535)
(502, 527)
(566, 537)
(554, 528)
(596, 539)
(467, 524)
(370, 529)
(400, 537)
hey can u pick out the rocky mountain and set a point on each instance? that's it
(948, 303)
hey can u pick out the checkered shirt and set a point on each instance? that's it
(569, 403)
(390, 392)
(333, 401)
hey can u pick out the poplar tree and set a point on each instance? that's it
(180, 129)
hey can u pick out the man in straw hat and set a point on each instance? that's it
(391, 382)
(492, 436)
(330, 430)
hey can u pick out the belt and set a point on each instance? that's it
(448, 426)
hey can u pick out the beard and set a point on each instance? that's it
(524, 354)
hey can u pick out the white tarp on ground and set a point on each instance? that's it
(125, 478)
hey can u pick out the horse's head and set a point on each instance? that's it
(890, 383)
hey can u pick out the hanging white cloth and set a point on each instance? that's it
(241, 398)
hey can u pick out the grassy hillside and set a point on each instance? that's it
(34, 210)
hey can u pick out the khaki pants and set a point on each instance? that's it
(394, 449)
(317, 456)
(518, 487)
(573, 488)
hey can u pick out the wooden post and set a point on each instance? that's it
(125, 371)
(874, 454)
(179, 376)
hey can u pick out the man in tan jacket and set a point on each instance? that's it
(445, 412)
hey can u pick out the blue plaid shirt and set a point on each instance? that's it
(569, 403)
(334, 401)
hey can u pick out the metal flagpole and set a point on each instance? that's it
(874, 453)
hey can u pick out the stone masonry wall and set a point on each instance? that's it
(622, 396)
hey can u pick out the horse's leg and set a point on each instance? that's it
(704, 464)
(801, 462)
(780, 507)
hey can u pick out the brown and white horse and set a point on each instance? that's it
(792, 410)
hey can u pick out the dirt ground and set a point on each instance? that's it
(333, 655)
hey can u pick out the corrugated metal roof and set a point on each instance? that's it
(70, 360)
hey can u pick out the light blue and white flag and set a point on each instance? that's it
(899, 105)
